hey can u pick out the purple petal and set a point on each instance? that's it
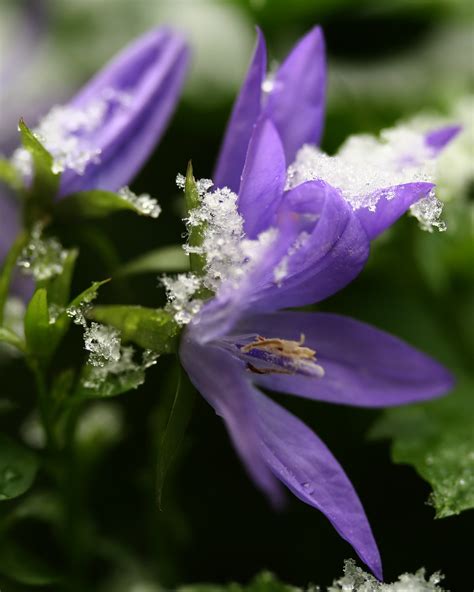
(221, 381)
(263, 179)
(297, 101)
(439, 138)
(303, 462)
(150, 73)
(245, 113)
(362, 365)
(392, 203)
(219, 315)
(332, 254)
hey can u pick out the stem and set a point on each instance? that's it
(8, 269)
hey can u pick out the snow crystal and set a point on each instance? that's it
(42, 258)
(180, 291)
(143, 203)
(119, 368)
(356, 580)
(428, 211)
(103, 343)
(64, 133)
(365, 164)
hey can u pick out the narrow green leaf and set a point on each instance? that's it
(170, 258)
(9, 175)
(437, 439)
(8, 269)
(7, 336)
(149, 328)
(59, 286)
(18, 468)
(90, 387)
(94, 204)
(45, 183)
(195, 238)
(38, 330)
(88, 294)
(179, 415)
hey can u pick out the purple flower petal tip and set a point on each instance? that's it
(138, 90)
(297, 95)
(439, 138)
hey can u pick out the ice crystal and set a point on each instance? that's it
(66, 132)
(119, 373)
(42, 258)
(180, 291)
(365, 164)
(103, 344)
(428, 211)
(143, 203)
(356, 580)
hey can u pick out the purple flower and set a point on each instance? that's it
(267, 249)
(293, 99)
(101, 138)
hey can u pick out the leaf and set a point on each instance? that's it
(9, 175)
(45, 184)
(169, 258)
(21, 566)
(8, 269)
(437, 439)
(18, 468)
(7, 336)
(88, 294)
(59, 286)
(263, 582)
(196, 233)
(149, 328)
(179, 415)
(38, 330)
(111, 386)
(94, 204)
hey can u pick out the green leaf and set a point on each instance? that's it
(38, 330)
(111, 386)
(263, 582)
(59, 286)
(45, 183)
(21, 566)
(94, 204)
(437, 439)
(7, 336)
(149, 328)
(18, 468)
(179, 415)
(8, 269)
(170, 258)
(196, 233)
(9, 175)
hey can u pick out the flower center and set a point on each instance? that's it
(280, 356)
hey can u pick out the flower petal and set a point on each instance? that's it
(150, 73)
(331, 255)
(306, 466)
(221, 381)
(392, 203)
(245, 113)
(296, 103)
(363, 366)
(263, 179)
(439, 138)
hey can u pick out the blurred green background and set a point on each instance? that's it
(388, 61)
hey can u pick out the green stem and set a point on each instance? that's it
(8, 269)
